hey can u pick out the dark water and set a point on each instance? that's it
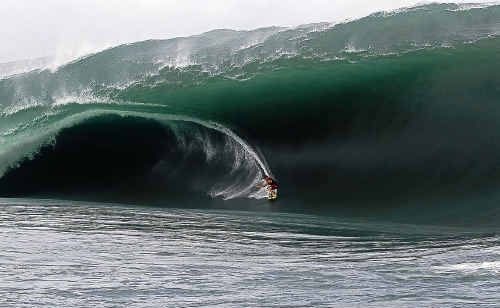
(61, 253)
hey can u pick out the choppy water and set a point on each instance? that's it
(61, 254)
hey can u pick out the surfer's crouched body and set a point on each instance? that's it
(271, 186)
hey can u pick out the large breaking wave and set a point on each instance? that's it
(394, 109)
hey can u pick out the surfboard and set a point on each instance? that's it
(272, 195)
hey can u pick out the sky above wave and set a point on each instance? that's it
(71, 28)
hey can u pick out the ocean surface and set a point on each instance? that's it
(75, 254)
(382, 132)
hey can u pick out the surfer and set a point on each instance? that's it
(271, 186)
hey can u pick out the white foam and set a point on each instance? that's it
(470, 6)
(473, 267)
(79, 99)
(350, 48)
(25, 104)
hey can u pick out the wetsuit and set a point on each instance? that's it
(273, 185)
(272, 188)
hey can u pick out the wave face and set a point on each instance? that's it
(397, 108)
